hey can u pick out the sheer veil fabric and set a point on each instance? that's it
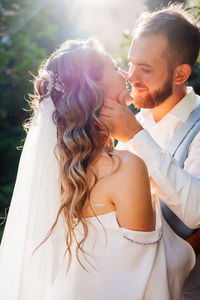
(34, 206)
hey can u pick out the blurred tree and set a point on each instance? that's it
(29, 31)
(122, 59)
(194, 8)
(194, 79)
(153, 4)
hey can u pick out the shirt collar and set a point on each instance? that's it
(181, 110)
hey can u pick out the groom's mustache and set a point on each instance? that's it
(131, 86)
(138, 85)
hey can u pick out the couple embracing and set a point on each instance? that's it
(91, 221)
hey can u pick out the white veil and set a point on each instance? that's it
(34, 206)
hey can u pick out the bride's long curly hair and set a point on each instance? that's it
(79, 66)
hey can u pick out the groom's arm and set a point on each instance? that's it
(178, 188)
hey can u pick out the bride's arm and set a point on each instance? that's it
(130, 192)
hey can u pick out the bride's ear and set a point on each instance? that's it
(182, 73)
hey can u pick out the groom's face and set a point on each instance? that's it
(149, 72)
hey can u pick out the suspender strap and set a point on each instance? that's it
(178, 147)
(183, 131)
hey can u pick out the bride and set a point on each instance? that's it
(82, 224)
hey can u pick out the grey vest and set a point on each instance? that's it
(178, 148)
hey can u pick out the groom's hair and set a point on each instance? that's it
(180, 29)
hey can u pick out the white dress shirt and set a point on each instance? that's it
(178, 188)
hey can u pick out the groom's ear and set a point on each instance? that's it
(182, 73)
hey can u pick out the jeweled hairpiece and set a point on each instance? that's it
(53, 79)
(57, 83)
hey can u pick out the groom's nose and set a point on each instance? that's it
(134, 76)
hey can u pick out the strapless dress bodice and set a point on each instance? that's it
(119, 263)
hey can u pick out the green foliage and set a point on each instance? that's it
(194, 8)
(122, 59)
(154, 4)
(194, 79)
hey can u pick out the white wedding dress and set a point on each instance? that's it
(126, 264)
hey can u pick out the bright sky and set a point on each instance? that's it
(106, 19)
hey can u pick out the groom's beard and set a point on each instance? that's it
(150, 100)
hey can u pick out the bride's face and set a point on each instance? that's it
(113, 80)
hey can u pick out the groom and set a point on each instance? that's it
(166, 133)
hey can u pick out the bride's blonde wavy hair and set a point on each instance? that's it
(79, 65)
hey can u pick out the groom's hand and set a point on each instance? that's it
(120, 120)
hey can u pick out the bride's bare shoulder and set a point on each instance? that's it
(128, 160)
(121, 164)
(131, 173)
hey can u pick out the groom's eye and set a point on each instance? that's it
(146, 70)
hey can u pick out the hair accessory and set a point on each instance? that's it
(57, 83)
(53, 79)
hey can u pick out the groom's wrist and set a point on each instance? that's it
(135, 131)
